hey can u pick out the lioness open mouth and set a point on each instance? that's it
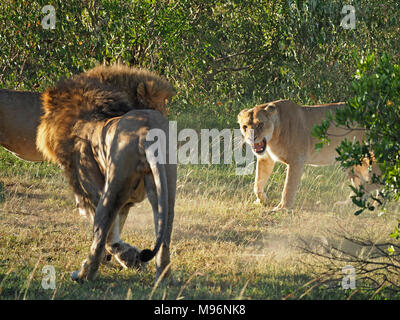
(260, 147)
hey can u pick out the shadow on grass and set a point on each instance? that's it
(126, 285)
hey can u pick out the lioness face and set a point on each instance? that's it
(257, 126)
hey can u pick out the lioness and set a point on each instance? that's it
(362, 175)
(281, 131)
(94, 133)
(20, 113)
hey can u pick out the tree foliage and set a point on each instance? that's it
(221, 55)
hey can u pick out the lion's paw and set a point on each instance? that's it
(87, 272)
(76, 277)
(129, 258)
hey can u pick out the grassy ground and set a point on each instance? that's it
(224, 246)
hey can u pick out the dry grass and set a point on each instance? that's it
(224, 246)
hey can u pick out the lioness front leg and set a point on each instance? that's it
(265, 165)
(292, 181)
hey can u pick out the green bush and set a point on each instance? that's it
(375, 106)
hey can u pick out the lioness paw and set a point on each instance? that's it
(261, 198)
(279, 207)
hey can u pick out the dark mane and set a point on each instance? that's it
(98, 94)
(129, 80)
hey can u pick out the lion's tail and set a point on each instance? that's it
(160, 179)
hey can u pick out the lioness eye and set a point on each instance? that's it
(244, 128)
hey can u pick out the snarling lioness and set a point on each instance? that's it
(281, 131)
(97, 134)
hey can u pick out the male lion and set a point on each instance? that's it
(94, 132)
(20, 111)
(281, 131)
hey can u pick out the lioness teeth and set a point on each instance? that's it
(259, 146)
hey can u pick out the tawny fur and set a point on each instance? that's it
(20, 112)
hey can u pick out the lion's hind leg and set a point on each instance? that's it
(102, 223)
(124, 253)
(121, 179)
(112, 200)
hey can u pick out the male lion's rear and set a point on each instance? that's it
(92, 128)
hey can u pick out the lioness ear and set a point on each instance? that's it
(241, 113)
(271, 108)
